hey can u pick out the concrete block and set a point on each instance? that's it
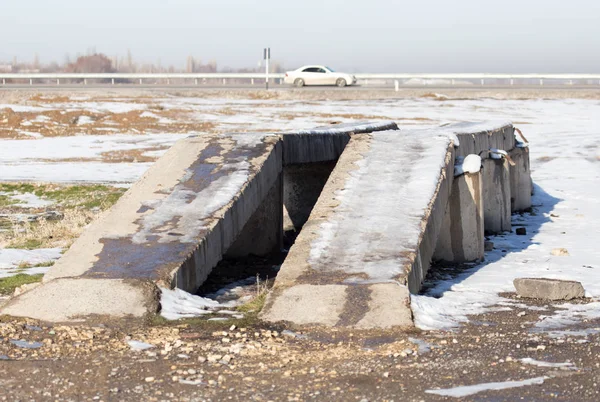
(521, 186)
(496, 196)
(548, 289)
(462, 237)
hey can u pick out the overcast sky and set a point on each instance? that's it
(354, 35)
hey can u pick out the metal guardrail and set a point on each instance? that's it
(197, 77)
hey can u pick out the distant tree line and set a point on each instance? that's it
(94, 62)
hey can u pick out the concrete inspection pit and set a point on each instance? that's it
(360, 211)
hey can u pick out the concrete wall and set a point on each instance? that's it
(433, 222)
(477, 137)
(263, 233)
(302, 184)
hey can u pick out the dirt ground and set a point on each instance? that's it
(215, 361)
(246, 360)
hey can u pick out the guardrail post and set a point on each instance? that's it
(224, 81)
(3, 81)
(113, 81)
(85, 81)
(482, 82)
(541, 81)
(452, 81)
(196, 81)
(140, 81)
(168, 81)
(252, 81)
(58, 81)
(512, 82)
(396, 85)
(30, 81)
(570, 82)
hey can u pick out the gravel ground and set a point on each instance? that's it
(219, 361)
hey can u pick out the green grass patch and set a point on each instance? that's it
(18, 188)
(88, 197)
(6, 201)
(78, 196)
(27, 244)
(8, 285)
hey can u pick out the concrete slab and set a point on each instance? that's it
(372, 230)
(75, 299)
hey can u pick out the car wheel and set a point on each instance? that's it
(341, 82)
(299, 82)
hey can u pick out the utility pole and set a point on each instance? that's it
(267, 57)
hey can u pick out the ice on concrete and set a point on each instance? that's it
(460, 392)
(184, 203)
(403, 166)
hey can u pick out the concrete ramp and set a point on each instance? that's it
(170, 229)
(369, 239)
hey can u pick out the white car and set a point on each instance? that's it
(318, 75)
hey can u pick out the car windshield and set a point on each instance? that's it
(330, 69)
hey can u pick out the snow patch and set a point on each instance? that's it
(460, 392)
(177, 304)
(469, 164)
(539, 363)
(11, 258)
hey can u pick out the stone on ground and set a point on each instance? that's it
(548, 289)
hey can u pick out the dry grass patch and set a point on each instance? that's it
(75, 207)
(49, 233)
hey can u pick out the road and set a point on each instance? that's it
(278, 87)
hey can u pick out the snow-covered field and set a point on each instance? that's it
(564, 136)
